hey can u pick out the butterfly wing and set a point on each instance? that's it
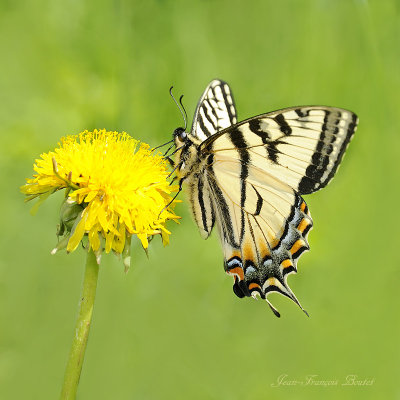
(201, 202)
(263, 225)
(215, 110)
(256, 171)
(301, 146)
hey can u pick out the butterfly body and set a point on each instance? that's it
(187, 157)
(247, 178)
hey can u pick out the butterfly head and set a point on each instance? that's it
(180, 136)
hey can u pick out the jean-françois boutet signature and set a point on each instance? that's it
(317, 380)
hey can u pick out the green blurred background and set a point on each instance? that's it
(172, 327)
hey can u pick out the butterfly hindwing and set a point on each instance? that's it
(215, 110)
(202, 206)
(263, 227)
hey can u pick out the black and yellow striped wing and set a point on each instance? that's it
(215, 110)
(255, 172)
(301, 146)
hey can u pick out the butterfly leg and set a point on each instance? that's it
(173, 180)
(180, 189)
(176, 166)
(171, 161)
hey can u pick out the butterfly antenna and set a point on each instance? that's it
(180, 109)
(162, 145)
(183, 108)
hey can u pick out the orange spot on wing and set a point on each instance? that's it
(302, 225)
(299, 243)
(254, 285)
(286, 263)
(237, 271)
(303, 206)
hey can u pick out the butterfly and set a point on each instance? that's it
(247, 178)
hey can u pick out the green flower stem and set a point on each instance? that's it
(77, 354)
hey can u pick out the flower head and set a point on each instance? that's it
(116, 187)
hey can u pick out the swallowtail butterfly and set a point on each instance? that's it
(247, 178)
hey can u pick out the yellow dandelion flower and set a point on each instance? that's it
(116, 187)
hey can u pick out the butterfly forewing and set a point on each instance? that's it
(215, 110)
(301, 146)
